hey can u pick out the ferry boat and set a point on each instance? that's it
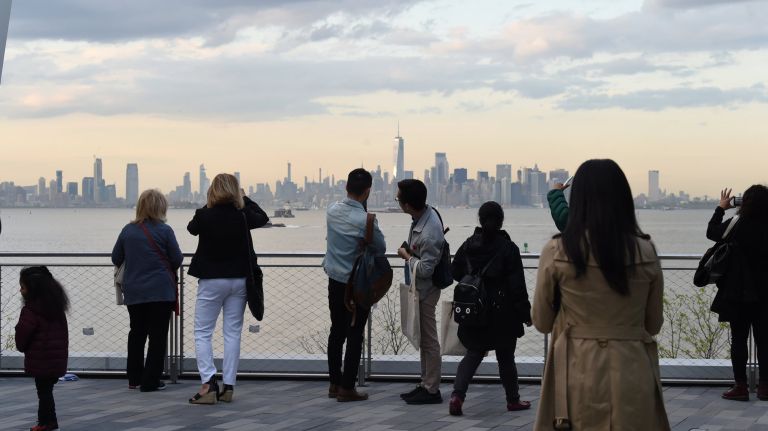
(284, 213)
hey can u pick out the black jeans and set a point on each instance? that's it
(148, 321)
(342, 330)
(758, 320)
(46, 410)
(507, 372)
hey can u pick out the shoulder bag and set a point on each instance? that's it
(254, 280)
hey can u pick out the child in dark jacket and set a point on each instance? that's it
(42, 336)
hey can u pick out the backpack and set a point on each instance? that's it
(371, 275)
(470, 300)
(442, 277)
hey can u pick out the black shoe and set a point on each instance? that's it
(424, 397)
(407, 395)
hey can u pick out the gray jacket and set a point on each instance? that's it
(426, 242)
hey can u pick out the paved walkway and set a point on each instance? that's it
(105, 404)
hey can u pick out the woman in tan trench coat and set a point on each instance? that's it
(602, 368)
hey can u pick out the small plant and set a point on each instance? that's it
(387, 319)
(316, 341)
(690, 330)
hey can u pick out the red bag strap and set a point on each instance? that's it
(164, 259)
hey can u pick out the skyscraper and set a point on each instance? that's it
(203, 184)
(237, 175)
(98, 181)
(654, 193)
(441, 169)
(399, 169)
(72, 190)
(288, 178)
(41, 189)
(59, 182)
(88, 187)
(557, 176)
(504, 171)
(131, 183)
(187, 188)
(460, 175)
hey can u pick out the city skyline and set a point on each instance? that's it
(454, 187)
(249, 86)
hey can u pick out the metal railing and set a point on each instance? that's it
(292, 338)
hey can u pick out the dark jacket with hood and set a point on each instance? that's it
(504, 283)
(44, 340)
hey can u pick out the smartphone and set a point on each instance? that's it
(736, 201)
(406, 246)
(568, 181)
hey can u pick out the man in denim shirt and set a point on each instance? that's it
(425, 243)
(346, 230)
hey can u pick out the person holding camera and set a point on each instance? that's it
(741, 297)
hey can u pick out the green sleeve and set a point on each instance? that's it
(558, 207)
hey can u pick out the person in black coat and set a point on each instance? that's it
(507, 306)
(222, 262)
(742, 297)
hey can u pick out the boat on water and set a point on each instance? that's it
(283, 213)
(270, 224)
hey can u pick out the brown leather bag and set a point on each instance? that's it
(371, 275)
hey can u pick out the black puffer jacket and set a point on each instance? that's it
(504, 282)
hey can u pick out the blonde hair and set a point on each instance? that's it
(151, 206)
(225, 189)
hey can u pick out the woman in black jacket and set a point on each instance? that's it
(741, 297)
(507, 306)
(221, 262)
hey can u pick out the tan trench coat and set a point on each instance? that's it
(611, 381)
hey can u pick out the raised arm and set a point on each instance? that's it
(254, 214)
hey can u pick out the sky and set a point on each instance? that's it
(677, 86)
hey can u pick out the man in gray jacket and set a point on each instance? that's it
(425, 244)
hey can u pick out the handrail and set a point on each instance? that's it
(301, 254)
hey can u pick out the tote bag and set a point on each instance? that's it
(450, 345)
(409, 311)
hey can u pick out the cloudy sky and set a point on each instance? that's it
(674, 85)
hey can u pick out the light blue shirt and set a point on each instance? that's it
(346, 229)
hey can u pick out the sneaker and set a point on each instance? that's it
(454, 406)
(415, 391)
(518, 405)
(739, 392)
(424, 397)
(160, 387)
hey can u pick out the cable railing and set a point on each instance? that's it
(292, 339)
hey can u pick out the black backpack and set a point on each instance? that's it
(442, 277)
(470, 299)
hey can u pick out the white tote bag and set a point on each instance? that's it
(449, 329)
(409, 311)
(119, 274)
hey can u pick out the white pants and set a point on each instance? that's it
(213, 294)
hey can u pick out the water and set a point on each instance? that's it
(296, 319)
(95, 230)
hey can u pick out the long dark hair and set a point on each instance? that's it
(44, 291)
(602, 222)
(754, 204)
(491, 217)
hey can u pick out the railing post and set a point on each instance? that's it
(751, 376)
(180, 328)
(2, 342)
(370, 339)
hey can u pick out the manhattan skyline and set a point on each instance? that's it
(671, 85)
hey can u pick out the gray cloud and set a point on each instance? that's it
(246, 89)
(690, 4)
(658, 100)
(117, 20)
